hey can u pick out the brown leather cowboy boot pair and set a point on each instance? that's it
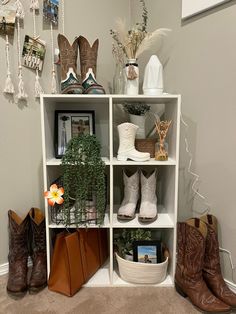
(198, 274)
(70, 81)
(26, 237)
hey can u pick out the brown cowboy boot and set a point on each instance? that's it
(70, 83)
(88, 65)
(18, 254)
(211, 269)
(188, 277)
(38, 279)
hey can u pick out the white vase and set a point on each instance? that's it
(131, 77)
(153, 77)
(140, 122)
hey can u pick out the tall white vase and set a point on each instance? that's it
(131, 77)
(153, 77)
(140, 122)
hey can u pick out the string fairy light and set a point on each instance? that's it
(201, 196)
(195, 175)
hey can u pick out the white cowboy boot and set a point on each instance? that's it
(148, 207)
(127, 132)
(131, 196)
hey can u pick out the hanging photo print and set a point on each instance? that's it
(50, 11)
(7, 20)
(33, 53)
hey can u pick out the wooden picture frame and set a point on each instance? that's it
(148, 251)
(69, 124)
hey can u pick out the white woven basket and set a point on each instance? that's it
(136, 272)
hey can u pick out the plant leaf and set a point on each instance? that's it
(151, 39)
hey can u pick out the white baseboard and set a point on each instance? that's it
(4, 267)
(231, 285)
(4, 271)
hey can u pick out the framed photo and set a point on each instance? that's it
(33, 53)
(147, 251)
(69, 124)
(50, 11)
(7, 20)
(193, 7)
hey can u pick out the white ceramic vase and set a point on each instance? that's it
(140, 122)
(153, 77)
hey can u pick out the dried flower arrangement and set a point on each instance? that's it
(137, 40)
(137, 108)
(162, 128)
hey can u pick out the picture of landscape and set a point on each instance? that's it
(7, 21)
(50, 11)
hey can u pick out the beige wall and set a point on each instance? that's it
(200, 64)
(20, 137)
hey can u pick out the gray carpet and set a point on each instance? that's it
(138, 300)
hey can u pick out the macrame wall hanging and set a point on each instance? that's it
(51, 16)
(20, 14)
(8, 12)
(34, 6)
(54, 22)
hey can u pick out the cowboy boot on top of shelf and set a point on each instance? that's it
(211, 269)
(191, 239)
(127, 132)
(148, 207)
(88, 65)
(131, 196)
(38, 279)
(18, 254)
(70, 83)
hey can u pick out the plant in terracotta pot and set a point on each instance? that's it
(83, 181)
(124, 238)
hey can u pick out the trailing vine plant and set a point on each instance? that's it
(83, 174)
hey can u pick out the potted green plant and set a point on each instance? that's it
(123, 241)
(83, 181)
(137, 114)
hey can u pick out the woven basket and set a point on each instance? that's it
(146, 145)
(142, 273)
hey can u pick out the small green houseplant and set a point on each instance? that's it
(83, 179)
(137, 108)
(123, 240)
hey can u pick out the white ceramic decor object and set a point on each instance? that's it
(127, 132)
(153, 77)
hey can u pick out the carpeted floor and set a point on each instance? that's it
(137, 300)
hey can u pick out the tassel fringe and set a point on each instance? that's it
(54, 83)
(9, 87)
(37, 87)
(20, 13)
(21, 89)
(34, 5)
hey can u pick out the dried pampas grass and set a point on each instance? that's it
(150, 39)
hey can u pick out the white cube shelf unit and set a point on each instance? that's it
(108, 114)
